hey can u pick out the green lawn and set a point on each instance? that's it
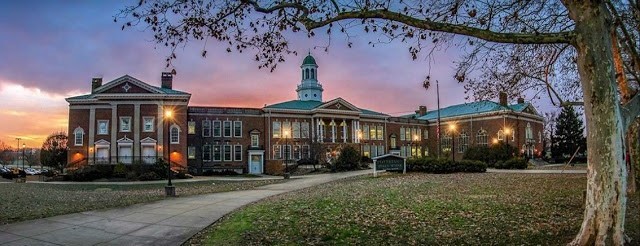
(417, 209)
(20, 202)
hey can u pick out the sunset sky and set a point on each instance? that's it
(50, 50)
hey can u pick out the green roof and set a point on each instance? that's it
(296, 104)
(309, 60)
(472, 108)
(370, 112)
(169, 91)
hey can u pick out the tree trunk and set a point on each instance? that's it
(605, 204)
(633, 138)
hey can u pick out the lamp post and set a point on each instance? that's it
(507, 131)
(169, 190)
(452, 129)
(17, 150)
(415, 143)
(286, 158)
(23, 147)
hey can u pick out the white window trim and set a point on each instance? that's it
(189, 125)
(234, 129)
(234, 152)
(204, 128)
(194, 153)
(224, 131)
(121, 125)
(174, 126)
(107, 127)
(77, 131)
(213, 153)
(276, 134)
(224, 151)
(257, 140)
(213, 127)
(144, 122)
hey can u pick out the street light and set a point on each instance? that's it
(23, 146)
(169, 190)
(285, 134)
(17, 150)
(507, 131)
(452, 129)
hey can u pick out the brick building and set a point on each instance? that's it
(125, 121)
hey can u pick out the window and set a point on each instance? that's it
(255, 140)
(402, 136)
(286, 127)
(276, 129)
(372, 132)
(296, 152)
(500, 135)
(304, 130)
(365, 132)
(481, 138)
(277, 152)
(237, 129)
(125, 124)
(539, 137)
(206, 128)
(206, 153)
(78, 136)
(175, 134)
(191, 152)
(426, 134)
(463, 140)
(393, 141)
(419, 134)
(305, 151)
(380, 133)
(403, 151)
(446, 143)
(103, 127)
(191, 127)
(296, 129)
(148, 123)
(217, 128)
(528, 132)
(366, 150)
(380, 150)
(407, 133)
(227, 128)
(217, 153)
(237, 153)
(286, 151)
(227, 153)
(374, 151)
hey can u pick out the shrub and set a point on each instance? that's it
(432, 165)
(307, 161)
(87, 173)
(131, 175)
(514, 163)
(225, 172)
(349, 159)
(493, 155)
(120, 170)
(149, 176)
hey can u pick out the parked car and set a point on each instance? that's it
(31, 171)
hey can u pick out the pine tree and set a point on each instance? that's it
(568, 135)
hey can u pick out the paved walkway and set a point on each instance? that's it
(538, 171)
(166, 222)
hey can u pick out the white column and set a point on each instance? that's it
(344, 131)
(114, 130)
(313, 133)
(333, 131)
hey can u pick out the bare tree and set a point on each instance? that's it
(6, 153)
(518, 42)
(54, 151)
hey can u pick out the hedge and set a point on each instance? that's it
(432, 165)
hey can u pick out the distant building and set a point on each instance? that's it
(123, 121)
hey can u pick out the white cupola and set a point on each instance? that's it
(309, 89)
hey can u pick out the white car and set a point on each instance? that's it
(30, 171)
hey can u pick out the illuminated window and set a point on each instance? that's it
(191, 152)
(380, 133)
(191, 127)
(481, 138)
(78, 136)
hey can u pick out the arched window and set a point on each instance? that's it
(529, 132)
(481, 138)
(313, 73)
(78, 136)
(500, 135)
(174, 134)
(306, 73)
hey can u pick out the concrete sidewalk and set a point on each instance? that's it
(167, 222)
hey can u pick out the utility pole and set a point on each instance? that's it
(18, 148)
(438, 96)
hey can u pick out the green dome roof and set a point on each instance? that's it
(309, 60)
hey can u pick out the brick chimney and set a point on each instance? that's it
(95, 83)
(520, 100)
(167, 80)
(503, 99)
(422, 110)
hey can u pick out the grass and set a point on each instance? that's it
(417, 209)
(20, 202)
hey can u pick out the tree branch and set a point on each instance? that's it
(516, 38)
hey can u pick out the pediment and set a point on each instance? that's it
(102, 142)
(125, 139)
(339, 104)
(127, 84)
(148, 140)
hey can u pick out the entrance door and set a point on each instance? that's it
(125, 154)
(102, 155)
(149, 154)
(255, 164)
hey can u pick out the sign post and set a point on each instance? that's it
(389, 162)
